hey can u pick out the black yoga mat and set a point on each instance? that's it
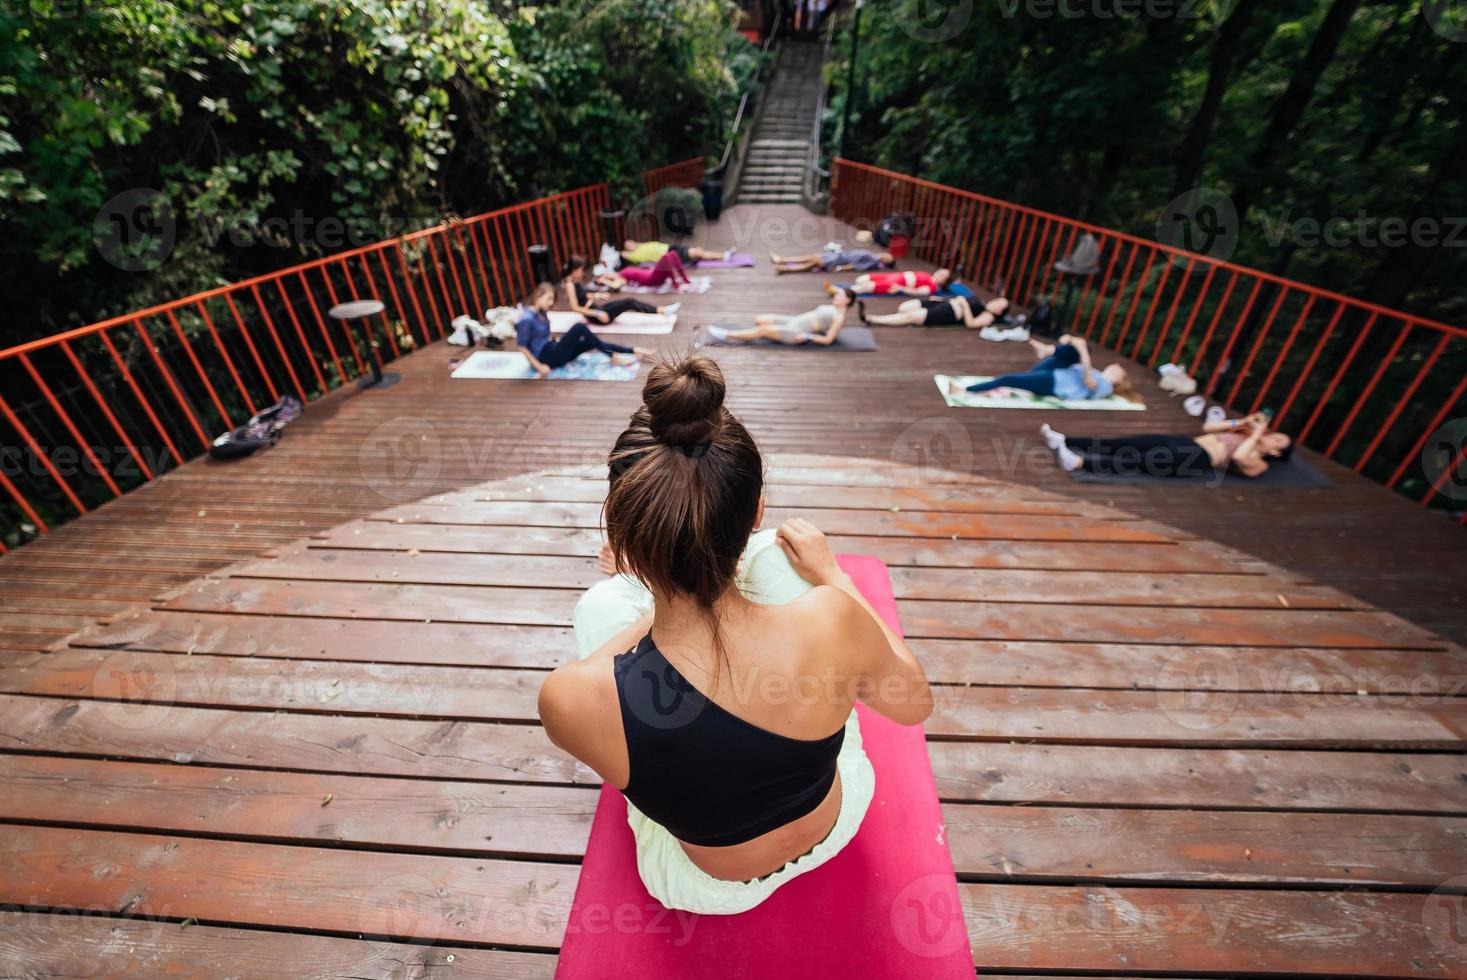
(1296, 472)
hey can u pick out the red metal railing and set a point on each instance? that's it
(1363, 384)
(688, 173)
(90, 413)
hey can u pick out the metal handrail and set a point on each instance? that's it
(733, 136)
(816, 173)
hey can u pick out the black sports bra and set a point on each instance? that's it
(711, 778)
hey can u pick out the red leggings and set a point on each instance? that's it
(667, 267)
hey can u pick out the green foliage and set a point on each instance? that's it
(1087, 116)
(281, 129)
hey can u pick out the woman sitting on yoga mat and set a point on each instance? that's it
(1063, 372)
(669, 269)
(600, 307)
(645, 253)
(721, 672)
(532, 333)
(833, 260)
(820, 326)
(939, 313)
(1246, 446)
(900, 283)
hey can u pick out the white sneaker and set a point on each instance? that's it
(991, 333)
(1069, 460)
(671, 308)
(718, 333)
(1014, 333)
(729, 255)
(1054, 440)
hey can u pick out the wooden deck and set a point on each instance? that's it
(1178, 734)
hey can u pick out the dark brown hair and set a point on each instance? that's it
(686, 478)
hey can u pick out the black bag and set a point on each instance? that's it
(263, 429)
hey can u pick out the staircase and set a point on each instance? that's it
(774, 171)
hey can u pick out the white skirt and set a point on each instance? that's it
(765, 576)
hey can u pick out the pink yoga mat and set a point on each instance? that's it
(739, 261)
(885, 908)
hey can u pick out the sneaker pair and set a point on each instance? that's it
(1069, 460)
(1000, 334)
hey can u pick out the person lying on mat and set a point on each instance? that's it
(722, 667)
(600, 307)
(833, 259)
(819, 326)
(532, 333)
(932, 312)
(647, 253)
(901, 283)
(1063, 371)
(1246, 446)
(668, 270)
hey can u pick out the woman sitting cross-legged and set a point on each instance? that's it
(900, 283)
(722, 667)
(669, 269)
(1246, 446)
(1063, 371)
(532, 333)
(600, 307)
(819, 326)
(939, 313)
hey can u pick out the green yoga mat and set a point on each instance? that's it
(1010, 398)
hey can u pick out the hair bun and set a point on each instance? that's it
(684, 401)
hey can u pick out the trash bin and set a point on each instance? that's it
(540, 264)
(712, 188)
(899, 246)
(611, 227)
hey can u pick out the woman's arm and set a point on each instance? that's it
(574, 302)
(891, 680)
(541, 369)
(829, 336)
(1248, 460)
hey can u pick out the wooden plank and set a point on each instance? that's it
(374, 893)
(1277, 779)
(1112, 588)
(315, 743)
(479, 540)
(1017, 927)
(141, 678)
(403, 603)
(1169, 717)
(1038, 843)
(926, 524)
(433, 568)
(462, 644)
(1418, 673)
(541, 822)
(1108, 624)
(69, 944)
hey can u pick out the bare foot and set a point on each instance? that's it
(623, 360)
(775, 258)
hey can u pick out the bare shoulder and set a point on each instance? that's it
(825, 613)
(572, 698)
